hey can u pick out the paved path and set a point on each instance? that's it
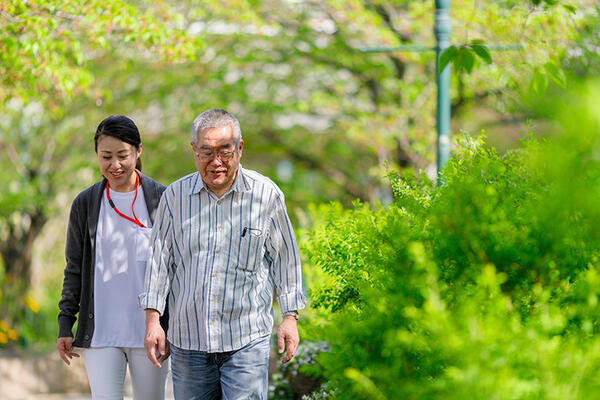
(25, 376)
(86, 396)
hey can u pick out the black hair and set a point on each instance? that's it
(122, 128)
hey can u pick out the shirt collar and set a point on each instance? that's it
(240, 184)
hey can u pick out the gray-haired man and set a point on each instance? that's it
(222, 242)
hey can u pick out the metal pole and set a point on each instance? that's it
(442, 29)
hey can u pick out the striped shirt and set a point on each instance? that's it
(218, 260)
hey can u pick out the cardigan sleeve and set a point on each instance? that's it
(71, 290)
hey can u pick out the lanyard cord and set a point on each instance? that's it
(114, 207)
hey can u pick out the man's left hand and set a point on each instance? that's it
(287, 336)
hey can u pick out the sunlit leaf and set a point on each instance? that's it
(556, 74)
(539, 82)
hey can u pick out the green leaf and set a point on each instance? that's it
(539, 82)
(482, 51)
(570, 8)
(447, 55)
(465, 59)
(556, 74)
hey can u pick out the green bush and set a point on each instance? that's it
(301, 375)
(485, 286)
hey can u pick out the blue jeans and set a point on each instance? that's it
(232, 375)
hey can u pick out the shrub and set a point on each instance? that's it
(485, 286)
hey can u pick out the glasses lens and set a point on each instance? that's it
(223, 155)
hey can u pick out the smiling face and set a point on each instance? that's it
(217, 158)
(117, 162)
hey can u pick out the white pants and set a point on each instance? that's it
(106, 368)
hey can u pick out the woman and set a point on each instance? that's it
(107, 240)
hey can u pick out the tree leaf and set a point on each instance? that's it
(447, 55)
(570, 8)
(465, 59)
(481, 50)
(539, 82)
(556, 74)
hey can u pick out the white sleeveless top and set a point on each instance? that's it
(121, 248)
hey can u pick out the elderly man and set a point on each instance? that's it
(221, 243)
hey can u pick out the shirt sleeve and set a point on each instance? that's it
(285, 270)
(160, 256)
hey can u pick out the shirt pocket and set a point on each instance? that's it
(251, 250)
(142, 242)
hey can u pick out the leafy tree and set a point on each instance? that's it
(47, 49)
(294, 74)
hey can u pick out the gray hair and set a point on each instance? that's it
(216, 118)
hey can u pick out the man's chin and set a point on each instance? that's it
(216, 184)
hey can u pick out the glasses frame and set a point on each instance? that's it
(223, 155)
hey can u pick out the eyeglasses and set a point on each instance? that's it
(207, 155)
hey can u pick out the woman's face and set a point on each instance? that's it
(117, 162)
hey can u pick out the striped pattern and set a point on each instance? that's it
(220, 280)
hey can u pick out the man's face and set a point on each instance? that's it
(217, 158)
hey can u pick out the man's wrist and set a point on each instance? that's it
(291, 314)
(152, 316)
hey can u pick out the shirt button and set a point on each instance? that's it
(210, 323)
(217, 251)
(214, 275)
(87, 337)
(212, 299)
(219, 202)
(219, 227)
(91, 315)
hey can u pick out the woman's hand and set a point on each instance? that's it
(65, 349)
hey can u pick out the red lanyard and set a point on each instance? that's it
(136, 220)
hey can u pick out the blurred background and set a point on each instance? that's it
(325, 120)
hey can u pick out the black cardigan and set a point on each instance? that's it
(78, 285)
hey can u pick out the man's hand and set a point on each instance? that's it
(65, 349)
(287, 335)
(155, 340)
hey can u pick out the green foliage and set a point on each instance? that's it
(26, 316)
(485, 286)
(301, 375)
(463, 56)
(545, 74)
(46, 45)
